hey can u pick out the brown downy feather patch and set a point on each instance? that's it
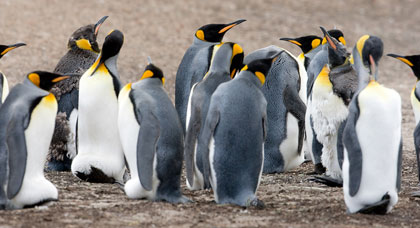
(58, 146)
(66, 86)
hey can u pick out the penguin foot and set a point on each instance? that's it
(326, 180)
(60, 166)
(255, 203)
(415, 194)
(95, 176)
(319, 169)
(43, 202)
(379, 208)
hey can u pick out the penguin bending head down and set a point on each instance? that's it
(152, 138)
(196, 62)
(100, 156)
(372, 137)
(4, 85)
(28, 118)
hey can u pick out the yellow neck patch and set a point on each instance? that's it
(147, 74)
(260, 76)
(361, 43)
(295, 42)
(34, 78)
(323, 77)
(200, 35)
(244, 68)
(84, 44)
(324, 41)
(315, 43)
(342, 40)
(237, 49)
(406, 61)
(7, 50)
(50, 98)
(226, 28)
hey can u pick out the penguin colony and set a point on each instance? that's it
(235, 117)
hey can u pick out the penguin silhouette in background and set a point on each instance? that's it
(4, 85)
(372, 137)
(413, 61)
(100, 156)
(82, 53)
(27, 118)
(196, 62)
(225, 63)
(152, 138)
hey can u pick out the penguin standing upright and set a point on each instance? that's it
(310, 46)
(286, 108)
(372, 137)
(4, 85)
(196, 62)
(100, 156)
(82, 53)
(414, 62)
(27, 118)
(226, 62)
(332, 91)
(152, 138)
(233, 136)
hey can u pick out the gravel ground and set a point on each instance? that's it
(163, 30)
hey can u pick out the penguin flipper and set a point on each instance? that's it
(146, 145)
(340, 146)
(212, 120)
(16, 144)
(417, 145)
(351, 142)
(399, 166)
(297, 108)
(190, 141)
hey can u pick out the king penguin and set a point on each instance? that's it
(372, 137)
(82, 52)
(100, 156)
(27, 118)
(226, 62)
(4, 85)
(196, 62)
(152, 139)
(233, 136)
(414, 62)
(310, 45)
(331, 93)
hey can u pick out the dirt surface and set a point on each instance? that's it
(163, 30)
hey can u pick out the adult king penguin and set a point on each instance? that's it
(310, 45)
(152, 138)
(226, 62)
(4, 85)
(196, 62)
(414, 62)
(233, 136)
(100, 156)
(83, 49)
(332, 91)
(372, 137)
(27, 118)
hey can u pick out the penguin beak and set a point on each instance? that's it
(401, 58)
(231, 25)
(61, 78)
(293, 41)
(373, 70)
(97, 64)
(329, 39)
(11, 47)
(98, 24)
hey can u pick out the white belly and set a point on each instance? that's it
(213, 180)
(35, 188)
(416, 106)
(5, 89)
(289, 146)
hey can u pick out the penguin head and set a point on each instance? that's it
(236, 60)
(6, 48)
(337, 52)
(337, 34)
(152, 71)
(411, 60)
(45, 80)
(215, 32)
(306, 43)
(260, 68)
(111, 48)
(366, 53)
(85, 37)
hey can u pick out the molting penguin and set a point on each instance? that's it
(100, 155)
(4, 85)
(332, 91)
(233, 136)
(82, 53)
(196, 63)
(27, 118)
(414, 62)
(372, 137)
(226, 62)
(152, 138)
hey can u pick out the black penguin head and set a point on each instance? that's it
(367, 53)
(45, 80)
(337, 34)
(151, 71)
(411, 60)
(85, 37)
(236, 60)
(6, 48)
(260, 68)
(111, 47)
(306, 43)
(337, 52)
(215, 32)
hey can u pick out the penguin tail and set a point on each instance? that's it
(326, 180)
(379, 208)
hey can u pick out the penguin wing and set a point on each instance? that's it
(351, 142)
(417, 145)
(340, 146)
(297, 108)
(212, 120)
(146, 142)
(399, 164)
(16, 144)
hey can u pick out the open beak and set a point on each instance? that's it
(231, 25)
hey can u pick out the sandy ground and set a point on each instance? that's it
(163, 30)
